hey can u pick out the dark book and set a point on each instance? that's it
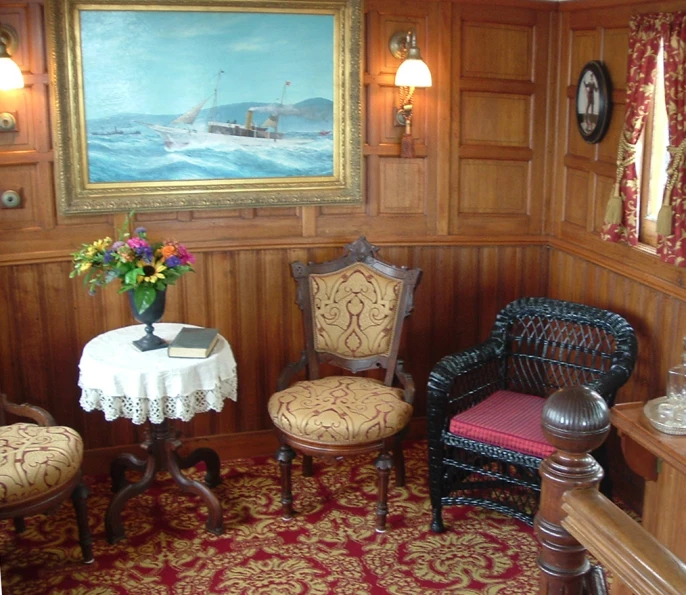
(193, 342)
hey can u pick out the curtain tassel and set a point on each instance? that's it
(613, 212)
(664, 220)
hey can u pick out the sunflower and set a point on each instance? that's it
(152, 272)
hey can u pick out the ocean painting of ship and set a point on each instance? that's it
(182, 132)
(177, 110)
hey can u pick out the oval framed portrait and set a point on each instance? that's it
(593, 105)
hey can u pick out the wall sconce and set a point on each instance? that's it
(10, 75)
(412, 73)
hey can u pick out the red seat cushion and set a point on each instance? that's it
(508, 420)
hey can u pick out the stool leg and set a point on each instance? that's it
(79, 498)
(383, 464)
(399, 463)
(285, 456)
(307, 466)
(19, 524)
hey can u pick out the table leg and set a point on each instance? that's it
(119, 466)
(161, 446)
(212, 464)
(215, 521)
(113, 526)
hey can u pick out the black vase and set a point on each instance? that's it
(148, 317)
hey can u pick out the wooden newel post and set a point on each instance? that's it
(576, 421)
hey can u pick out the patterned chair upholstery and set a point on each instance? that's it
(40, 466)
(353, 310)
(485, 403)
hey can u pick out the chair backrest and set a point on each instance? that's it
(354, 308)
(550, 344)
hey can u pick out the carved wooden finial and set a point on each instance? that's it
(575, 419)
(361, 248)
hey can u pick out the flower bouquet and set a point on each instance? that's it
(144, 267)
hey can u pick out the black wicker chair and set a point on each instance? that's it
(536, 346)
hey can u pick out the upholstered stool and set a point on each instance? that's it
(340, 410)
(35, 461)
(40, 466)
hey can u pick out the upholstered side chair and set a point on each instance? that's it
(485, 403)
(353, 310)
(40, 467)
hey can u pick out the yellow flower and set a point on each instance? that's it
(84, 266)
(152, 272)
(101, 245)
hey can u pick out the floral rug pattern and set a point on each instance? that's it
(330, 547)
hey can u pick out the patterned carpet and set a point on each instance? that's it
(329, 548)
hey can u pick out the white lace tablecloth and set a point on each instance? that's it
(121, 381)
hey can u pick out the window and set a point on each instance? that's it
(652, 160)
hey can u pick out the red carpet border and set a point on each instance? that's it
(329, 548)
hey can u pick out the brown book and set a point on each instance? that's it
(193, 342)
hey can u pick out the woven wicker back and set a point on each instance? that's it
(551, 343)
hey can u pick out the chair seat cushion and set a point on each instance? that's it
(506, 419)
(340, 410)
(35, 460)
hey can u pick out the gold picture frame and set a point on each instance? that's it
(120, 72)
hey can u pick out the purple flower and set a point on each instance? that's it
(140, 231)
(108, 256)
(117, 245)
(172, 261)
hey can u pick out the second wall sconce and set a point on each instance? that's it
(412, 73)
(10, 74)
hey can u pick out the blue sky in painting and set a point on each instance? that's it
(164, 62)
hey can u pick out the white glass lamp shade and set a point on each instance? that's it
(413, 73)
(10, 75)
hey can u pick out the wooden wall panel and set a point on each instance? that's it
(482, 55)
(576, 197)
(493, 187)
(499, 90)
(495, 119)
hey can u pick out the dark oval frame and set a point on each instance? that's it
(602, 77)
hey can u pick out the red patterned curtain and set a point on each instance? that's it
(671, 222)
(644, 45)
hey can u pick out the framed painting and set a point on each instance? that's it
(208, 104)
(593, 105)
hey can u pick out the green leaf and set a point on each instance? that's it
(143, 297)
(132, 275)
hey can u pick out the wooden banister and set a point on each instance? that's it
(625, 548)
(573, 516)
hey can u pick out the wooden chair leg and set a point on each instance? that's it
(19, 524)
(285, 456)
(307, 466)
(399, 463)
(383, 464)
(79, 498)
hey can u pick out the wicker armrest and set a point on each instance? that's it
(608, 385)
(463, 368)
(37, 414)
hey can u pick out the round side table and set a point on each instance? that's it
(151, 387)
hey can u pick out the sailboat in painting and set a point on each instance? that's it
(180, 132)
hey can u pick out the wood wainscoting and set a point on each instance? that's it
(249, 296)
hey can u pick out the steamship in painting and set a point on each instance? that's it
(181, 132)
